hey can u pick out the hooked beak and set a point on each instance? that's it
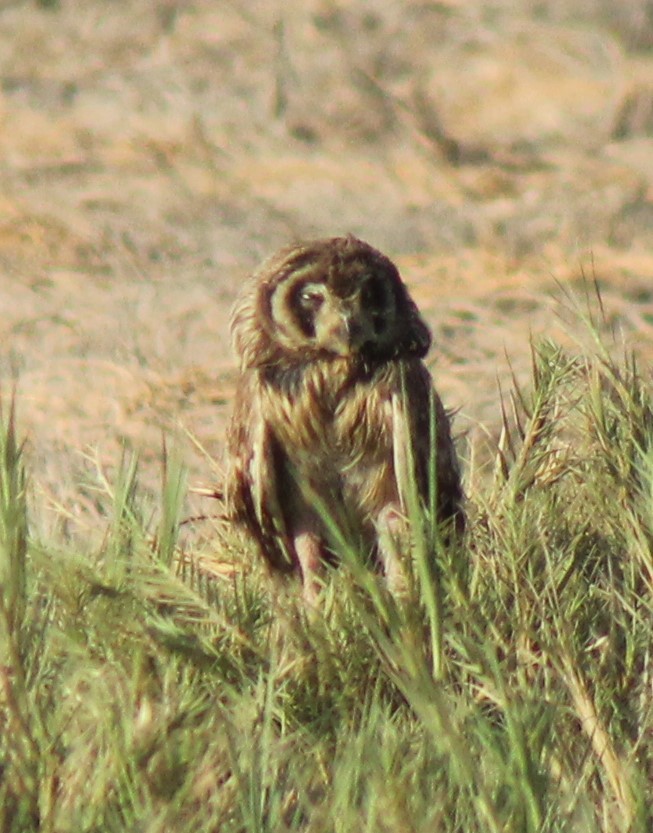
(345, 335)
(339, 336)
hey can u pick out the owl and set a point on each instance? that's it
(335, 418)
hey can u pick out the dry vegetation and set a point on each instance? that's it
(151, 153)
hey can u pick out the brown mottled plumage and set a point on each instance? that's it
(333, 403)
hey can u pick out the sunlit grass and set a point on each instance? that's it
(510, 691)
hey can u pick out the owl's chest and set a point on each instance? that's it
(332, 419)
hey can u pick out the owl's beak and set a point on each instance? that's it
(339, 339)
(344, 335)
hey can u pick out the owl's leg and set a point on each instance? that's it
(393, 536)
(309, 551)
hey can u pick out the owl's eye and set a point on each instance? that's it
(307, 302)
(311, 298)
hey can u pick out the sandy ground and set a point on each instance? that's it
(153, 152)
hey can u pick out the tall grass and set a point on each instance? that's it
(512, 690)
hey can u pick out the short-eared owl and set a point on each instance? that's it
(334, 410)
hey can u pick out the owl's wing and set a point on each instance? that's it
(423, 449)
(257, 476)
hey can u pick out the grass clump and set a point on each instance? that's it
(511, 692)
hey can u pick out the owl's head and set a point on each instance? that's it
(333, 298)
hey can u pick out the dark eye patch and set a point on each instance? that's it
(310, 298)
(377, 303)
(306, 301)
(374, 294)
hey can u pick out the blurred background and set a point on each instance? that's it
(152, 152)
